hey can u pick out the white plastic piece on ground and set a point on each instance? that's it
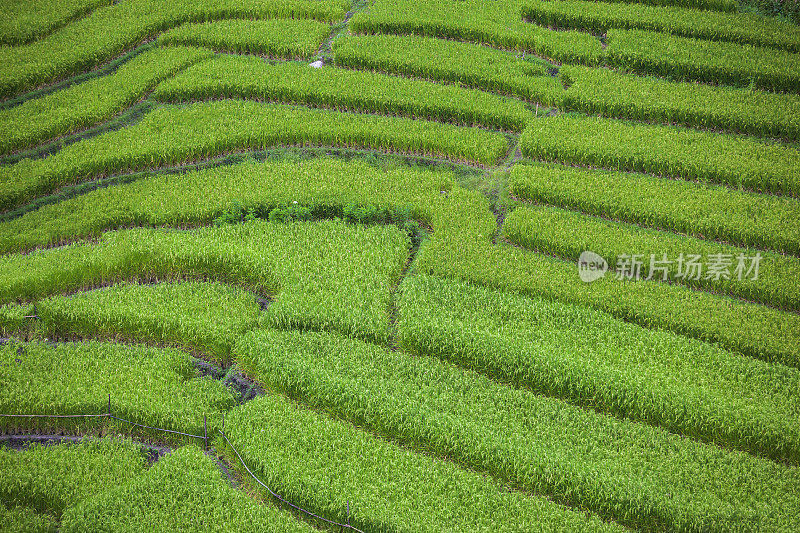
(316, 64)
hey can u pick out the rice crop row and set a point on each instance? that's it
(346, 90)
(465, 64)
(324, 275)
(594, 16)
(108, 31)
(345, 472)
(200, 196)
(173, 135)
(19, 519)
(684, 153)
(152, 386)
(93, 101)
(498, 24)
(700, 210)
(204, 317)
(640, 476)
(186, 491)
(50, 479)
(616, 94)
(22, 21)
(725, 6)
(658, 255)
(589, 358)
(277, 38)
(709, 61)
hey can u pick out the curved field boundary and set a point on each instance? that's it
(460, 244)
(714, 62)
(274, 38)
(520, 437)
(564, 233)
(297, 83)
(699, 210)
(109, 31)
(341, 463)
(736, 161)
(738, 110)
(91, 102)
(599, 17)
(496, 23)
(174, 134)
(465, 64)
(22, 21)
(326, 274)
(44, 379)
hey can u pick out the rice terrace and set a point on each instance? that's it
(399, 265)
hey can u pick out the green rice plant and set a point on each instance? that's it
(700, 210)
(198, 316)
(615, 94)
(340, 472)
(709, 61)
(275, 38)
(567, 234)
(109, 31)
(589, 358)
(22, 21)
(151, 386)
(683, 153)
(185, 491)
(201, 196)
(91, 102)
(496, 23)
(725, 6)
(324, 275)
(744, 327)
(620, 470)
(594, 16)
(12, 319)
(173, 135)
(346, 90)
(20, 519)
(465, 64)
(50, 479)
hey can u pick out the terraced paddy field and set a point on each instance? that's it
(399, 265)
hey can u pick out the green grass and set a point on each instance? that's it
(465, 64)
(724, 6)
(91, 102)
(328, 274)
(22, 21)
(496, 23)
(183, 491)
(739, 110)
(598, 17)
(620, 470)
(173, 135)
(326, 466)
(700, 210)
(589, 358)
(109, 31)
(709, 61)
(567, 234)
(196, 316)
(346, 90)
(277, 38)
(152, 386)
(50, 479)
(684, 153)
